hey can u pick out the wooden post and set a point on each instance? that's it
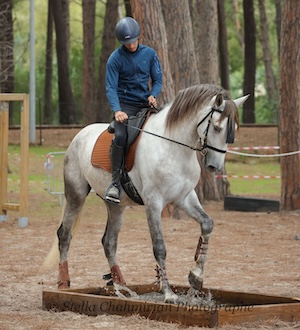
(22, 207)
(24, 169)
(3, 158)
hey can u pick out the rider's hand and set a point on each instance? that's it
(152, 101)
(120, 116)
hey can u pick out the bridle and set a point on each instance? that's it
(203, 147)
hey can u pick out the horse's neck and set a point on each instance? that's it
(185, 132)
(156, 123)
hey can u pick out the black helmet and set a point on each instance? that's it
(127, 30)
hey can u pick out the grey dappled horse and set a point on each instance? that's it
(166, 170)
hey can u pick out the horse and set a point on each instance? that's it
(166, 170)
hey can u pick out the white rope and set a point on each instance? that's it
(264, 156)
(255, 148)
(249, 176)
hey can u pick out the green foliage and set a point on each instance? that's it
(22, 54)
(265, 110)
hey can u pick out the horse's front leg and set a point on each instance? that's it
(196, 275)
(193, 208)
(159, 251)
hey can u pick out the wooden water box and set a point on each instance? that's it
(230, 307)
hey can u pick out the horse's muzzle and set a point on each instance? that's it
(212, 165)
(211, 168)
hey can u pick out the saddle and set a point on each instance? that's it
(101, 152)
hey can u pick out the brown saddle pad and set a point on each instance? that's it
(101, 152)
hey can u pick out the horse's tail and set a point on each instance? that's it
(52, 258)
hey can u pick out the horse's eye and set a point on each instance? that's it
(217, 128)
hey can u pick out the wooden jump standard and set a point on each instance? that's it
(5, 206)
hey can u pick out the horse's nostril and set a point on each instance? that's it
(211, 168)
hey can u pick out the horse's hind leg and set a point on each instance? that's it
(110, 240)
(193, 208)
(75, 198)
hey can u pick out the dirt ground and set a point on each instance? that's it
(249, 252)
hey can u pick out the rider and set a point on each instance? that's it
(128, 72)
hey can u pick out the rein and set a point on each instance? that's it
(204, 146)
(165, 138)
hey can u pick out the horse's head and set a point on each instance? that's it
(216, 115)
(221, 123)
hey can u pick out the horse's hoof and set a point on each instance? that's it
(63, 281)
(171, 298)
(195, 282)
(63, 285)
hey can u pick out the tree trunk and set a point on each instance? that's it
(48, 69)
(181, 49)
(289, 91)
(223, 47)
(88, 86)
(278, 24)
(67, 113)
(103, 111)
(237, 23)
(250, 62)
(7, 52)
(264, 39)
(153, 33)
(205, 27)
(127, 8)
(66, 17)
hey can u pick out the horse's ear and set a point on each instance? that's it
(218, 101)
(240, 101)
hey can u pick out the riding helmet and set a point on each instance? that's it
(127, 30)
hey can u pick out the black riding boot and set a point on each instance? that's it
(117, 156)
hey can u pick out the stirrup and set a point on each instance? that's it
(113, 197)
(112, 200)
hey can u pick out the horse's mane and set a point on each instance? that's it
(189, 100)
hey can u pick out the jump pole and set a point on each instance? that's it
(5, 206)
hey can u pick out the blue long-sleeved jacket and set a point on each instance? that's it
(128, 75)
